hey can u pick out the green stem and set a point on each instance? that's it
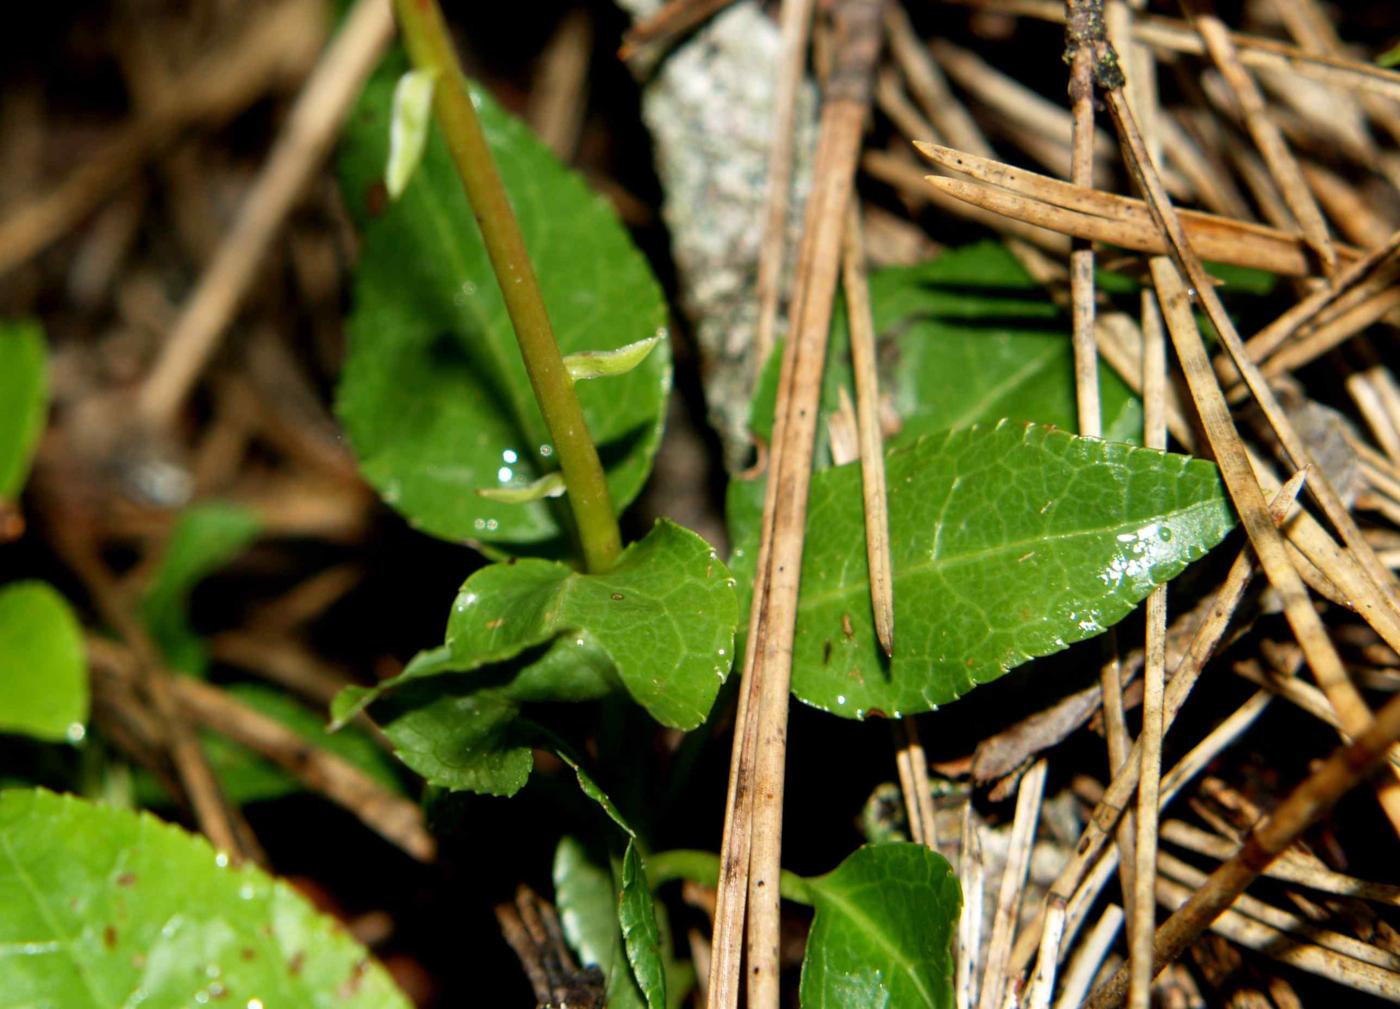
(703, 867)
(429, 46)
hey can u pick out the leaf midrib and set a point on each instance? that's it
(854, 912)
(937, 565)
(45, 912)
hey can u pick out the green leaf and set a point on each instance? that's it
(663, 617)
(434, 395)
(883, 931)
(43, 668)
(24, 393)
(640, 936)
(594, 791)
(1389, 58)
(206, 537)
(1008, 543)
(105, 907)
(967, 338)
(458, 735)
(588, 912)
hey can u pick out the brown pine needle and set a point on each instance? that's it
(1110, 808)
(1013, 882)
(872, 452)
(1286, 867)
(796, 22)
(752, 846)
(1116, 220)
(1300, 810)
(649, 38)
(1321, 655)
(310, 131)
(1176, 36)
(1282, 165)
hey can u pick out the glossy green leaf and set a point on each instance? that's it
(206, 537)
(663, 617)
(588, 912)
(24, 401)
(592, 898)
(1008, 543)
(640, 936)
(105, 908)
(43, 665)
(883, 931)
(434, 394)
(967, 338)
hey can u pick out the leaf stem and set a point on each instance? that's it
(429, 46)
(703, 867)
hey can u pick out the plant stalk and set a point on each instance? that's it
(429, 46)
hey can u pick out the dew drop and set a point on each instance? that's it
(491, 525)
(479, 524)
(75, 732)
(840, 698)
(254, 1003)
(221, 860)
(546, 451)
(504, 474)
(1164, 534)
(509, 456)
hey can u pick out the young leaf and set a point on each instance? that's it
(24, 391)
(967, 338)
(408, 128)
(664, 618)
(1009, 543)
(604, 363)
(549, 485)
(205, 538)
(43, 669)
(434, 395)
(105, 907)
(883, 931)
(640, 936)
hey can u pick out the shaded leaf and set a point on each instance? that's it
(663, 616)
(105, 907)
(588, 912)
(883, 931)
(24, 401)
(967, 338)
(206, 537)
(1008, 543)
(43, 666)
(434, 395)
(640, 936)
